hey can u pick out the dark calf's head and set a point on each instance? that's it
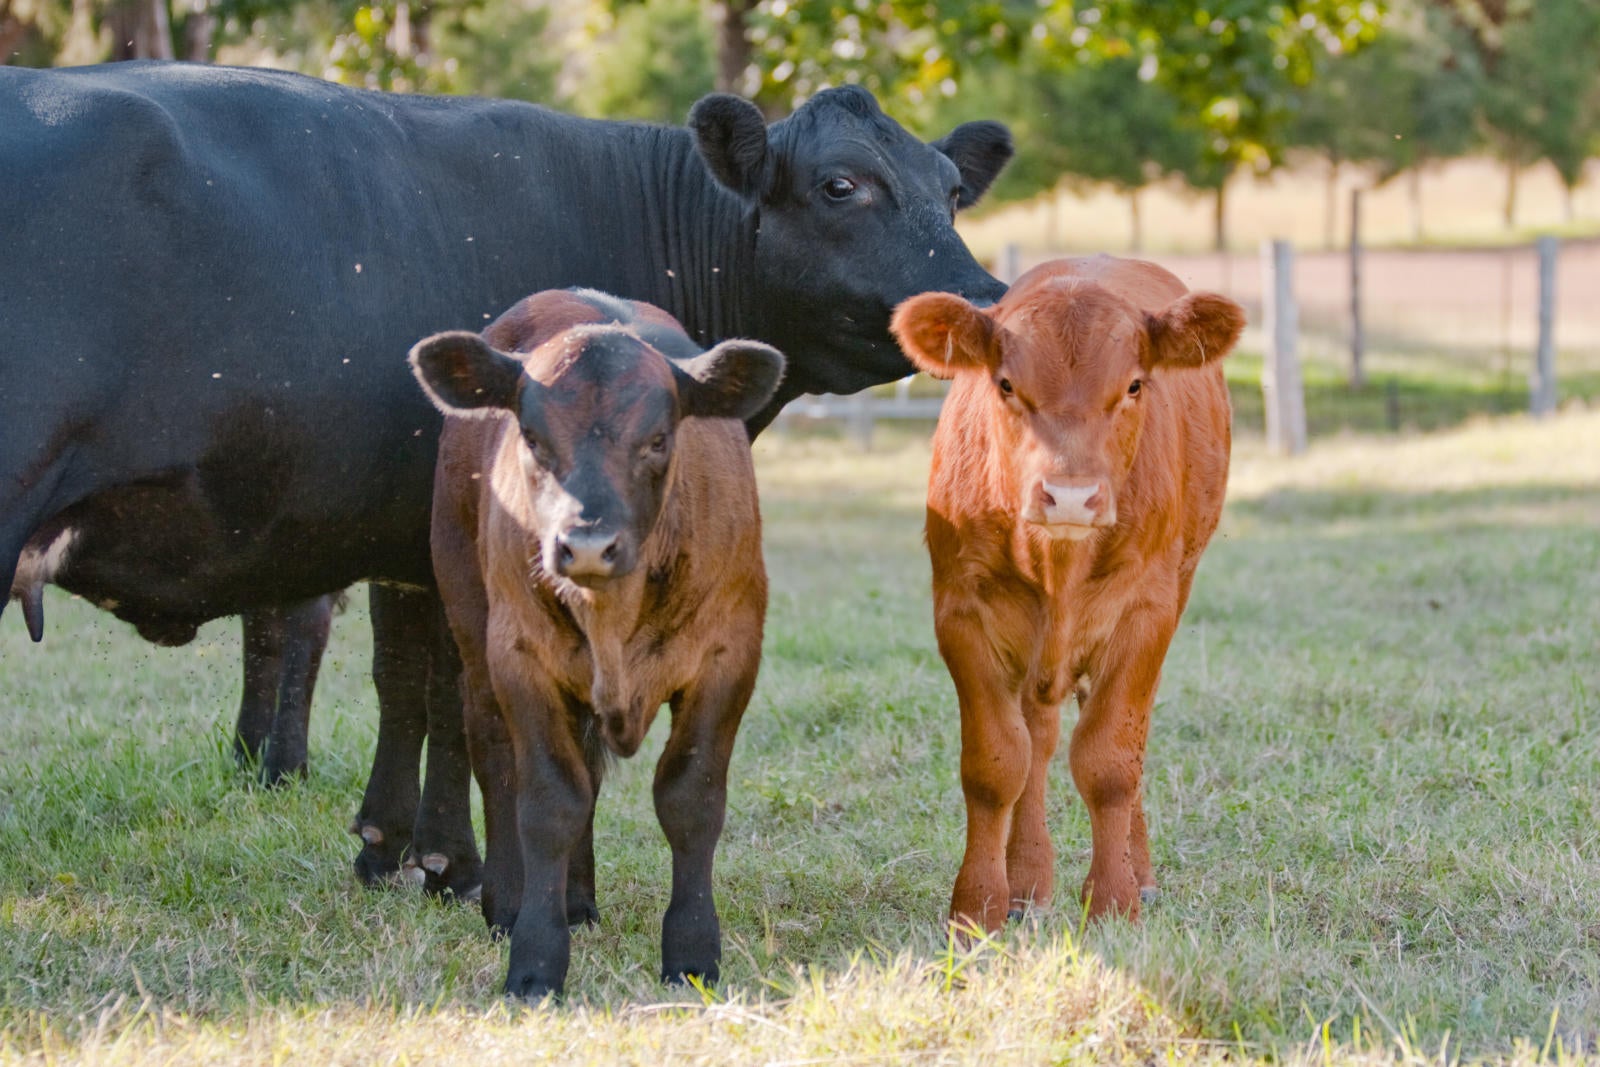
(1066, 367)
(597, 409)
(855, 216)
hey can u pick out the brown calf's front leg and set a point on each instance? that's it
(996, 754)
(691, 798)
(1107, 757)
(1030, 856)
(555, 806)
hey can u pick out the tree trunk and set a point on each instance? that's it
(1511, 194)
(200, 35)
(733, 46)
(1136, 244)
(1219, 219)
(140, 29)
(1569, 208)
(1415, 176)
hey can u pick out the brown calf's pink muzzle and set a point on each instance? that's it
(1071, 508)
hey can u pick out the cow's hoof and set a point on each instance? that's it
(1149, 894)
(443, 878)
(1016, 915)
(705, 976)
(378, 862)
(582, 913)
(531, 990)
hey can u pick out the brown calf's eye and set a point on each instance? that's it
(1133, 389)
(1005, 386)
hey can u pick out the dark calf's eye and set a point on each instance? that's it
(839, 188)
(658, 443)
(1134, 387)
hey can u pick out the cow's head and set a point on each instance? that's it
(597, 409)
(854, 215)
(1066, 368)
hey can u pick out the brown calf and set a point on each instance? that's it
(1078, 472)
(598, 546)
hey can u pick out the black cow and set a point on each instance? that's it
(211, 277)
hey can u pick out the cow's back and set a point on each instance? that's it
(212, 278)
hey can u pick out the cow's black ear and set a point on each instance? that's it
(732, 137)
(463, 375)
(732, 381)
(980, 151)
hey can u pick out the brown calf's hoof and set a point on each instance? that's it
(1149, 894)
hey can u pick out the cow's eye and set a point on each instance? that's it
(1005, 387)
(1134, 387)
(839, 188)
(658, 444)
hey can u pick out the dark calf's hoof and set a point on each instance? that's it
(582, 913)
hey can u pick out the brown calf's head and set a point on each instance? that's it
(598, 409)
(1068, 365)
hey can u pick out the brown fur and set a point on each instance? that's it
(554, 669)
(1027, 614)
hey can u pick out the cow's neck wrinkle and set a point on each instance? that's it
(695, 239)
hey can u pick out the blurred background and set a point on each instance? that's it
(1187, 131)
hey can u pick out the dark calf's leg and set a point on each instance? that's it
(582, 910)
(555, 803)
(691, 797)
(443, 845)
(400, 643)
(283, 649)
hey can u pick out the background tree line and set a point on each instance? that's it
(1120, 92)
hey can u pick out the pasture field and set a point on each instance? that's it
(1373, 784)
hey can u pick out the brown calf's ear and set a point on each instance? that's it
(463, 375)
(941, 333)
(734, 380)
(1194, 330)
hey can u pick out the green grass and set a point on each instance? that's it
(1373, 784)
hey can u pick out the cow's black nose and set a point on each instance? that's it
(587, 553)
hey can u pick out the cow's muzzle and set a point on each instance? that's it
(590, 556)
(1071, 509)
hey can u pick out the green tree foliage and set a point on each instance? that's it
(653, 62)
(1542, 99)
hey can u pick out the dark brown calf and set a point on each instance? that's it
(1078, 472)
(598, 546)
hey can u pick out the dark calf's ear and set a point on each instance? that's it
(731, 135)
(732, 381)
(463, 375)
(941, 334)
(980, 151)
(1195, 330)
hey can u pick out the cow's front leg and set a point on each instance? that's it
(1107, 756)
(1030, 855)
(996, 756)
(283, 649)
(555, 804)
(691, 795)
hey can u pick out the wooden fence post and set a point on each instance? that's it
(1009, 267)
(1281, 387)
(861, 420)
(1542, 399)
(1358, 339)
